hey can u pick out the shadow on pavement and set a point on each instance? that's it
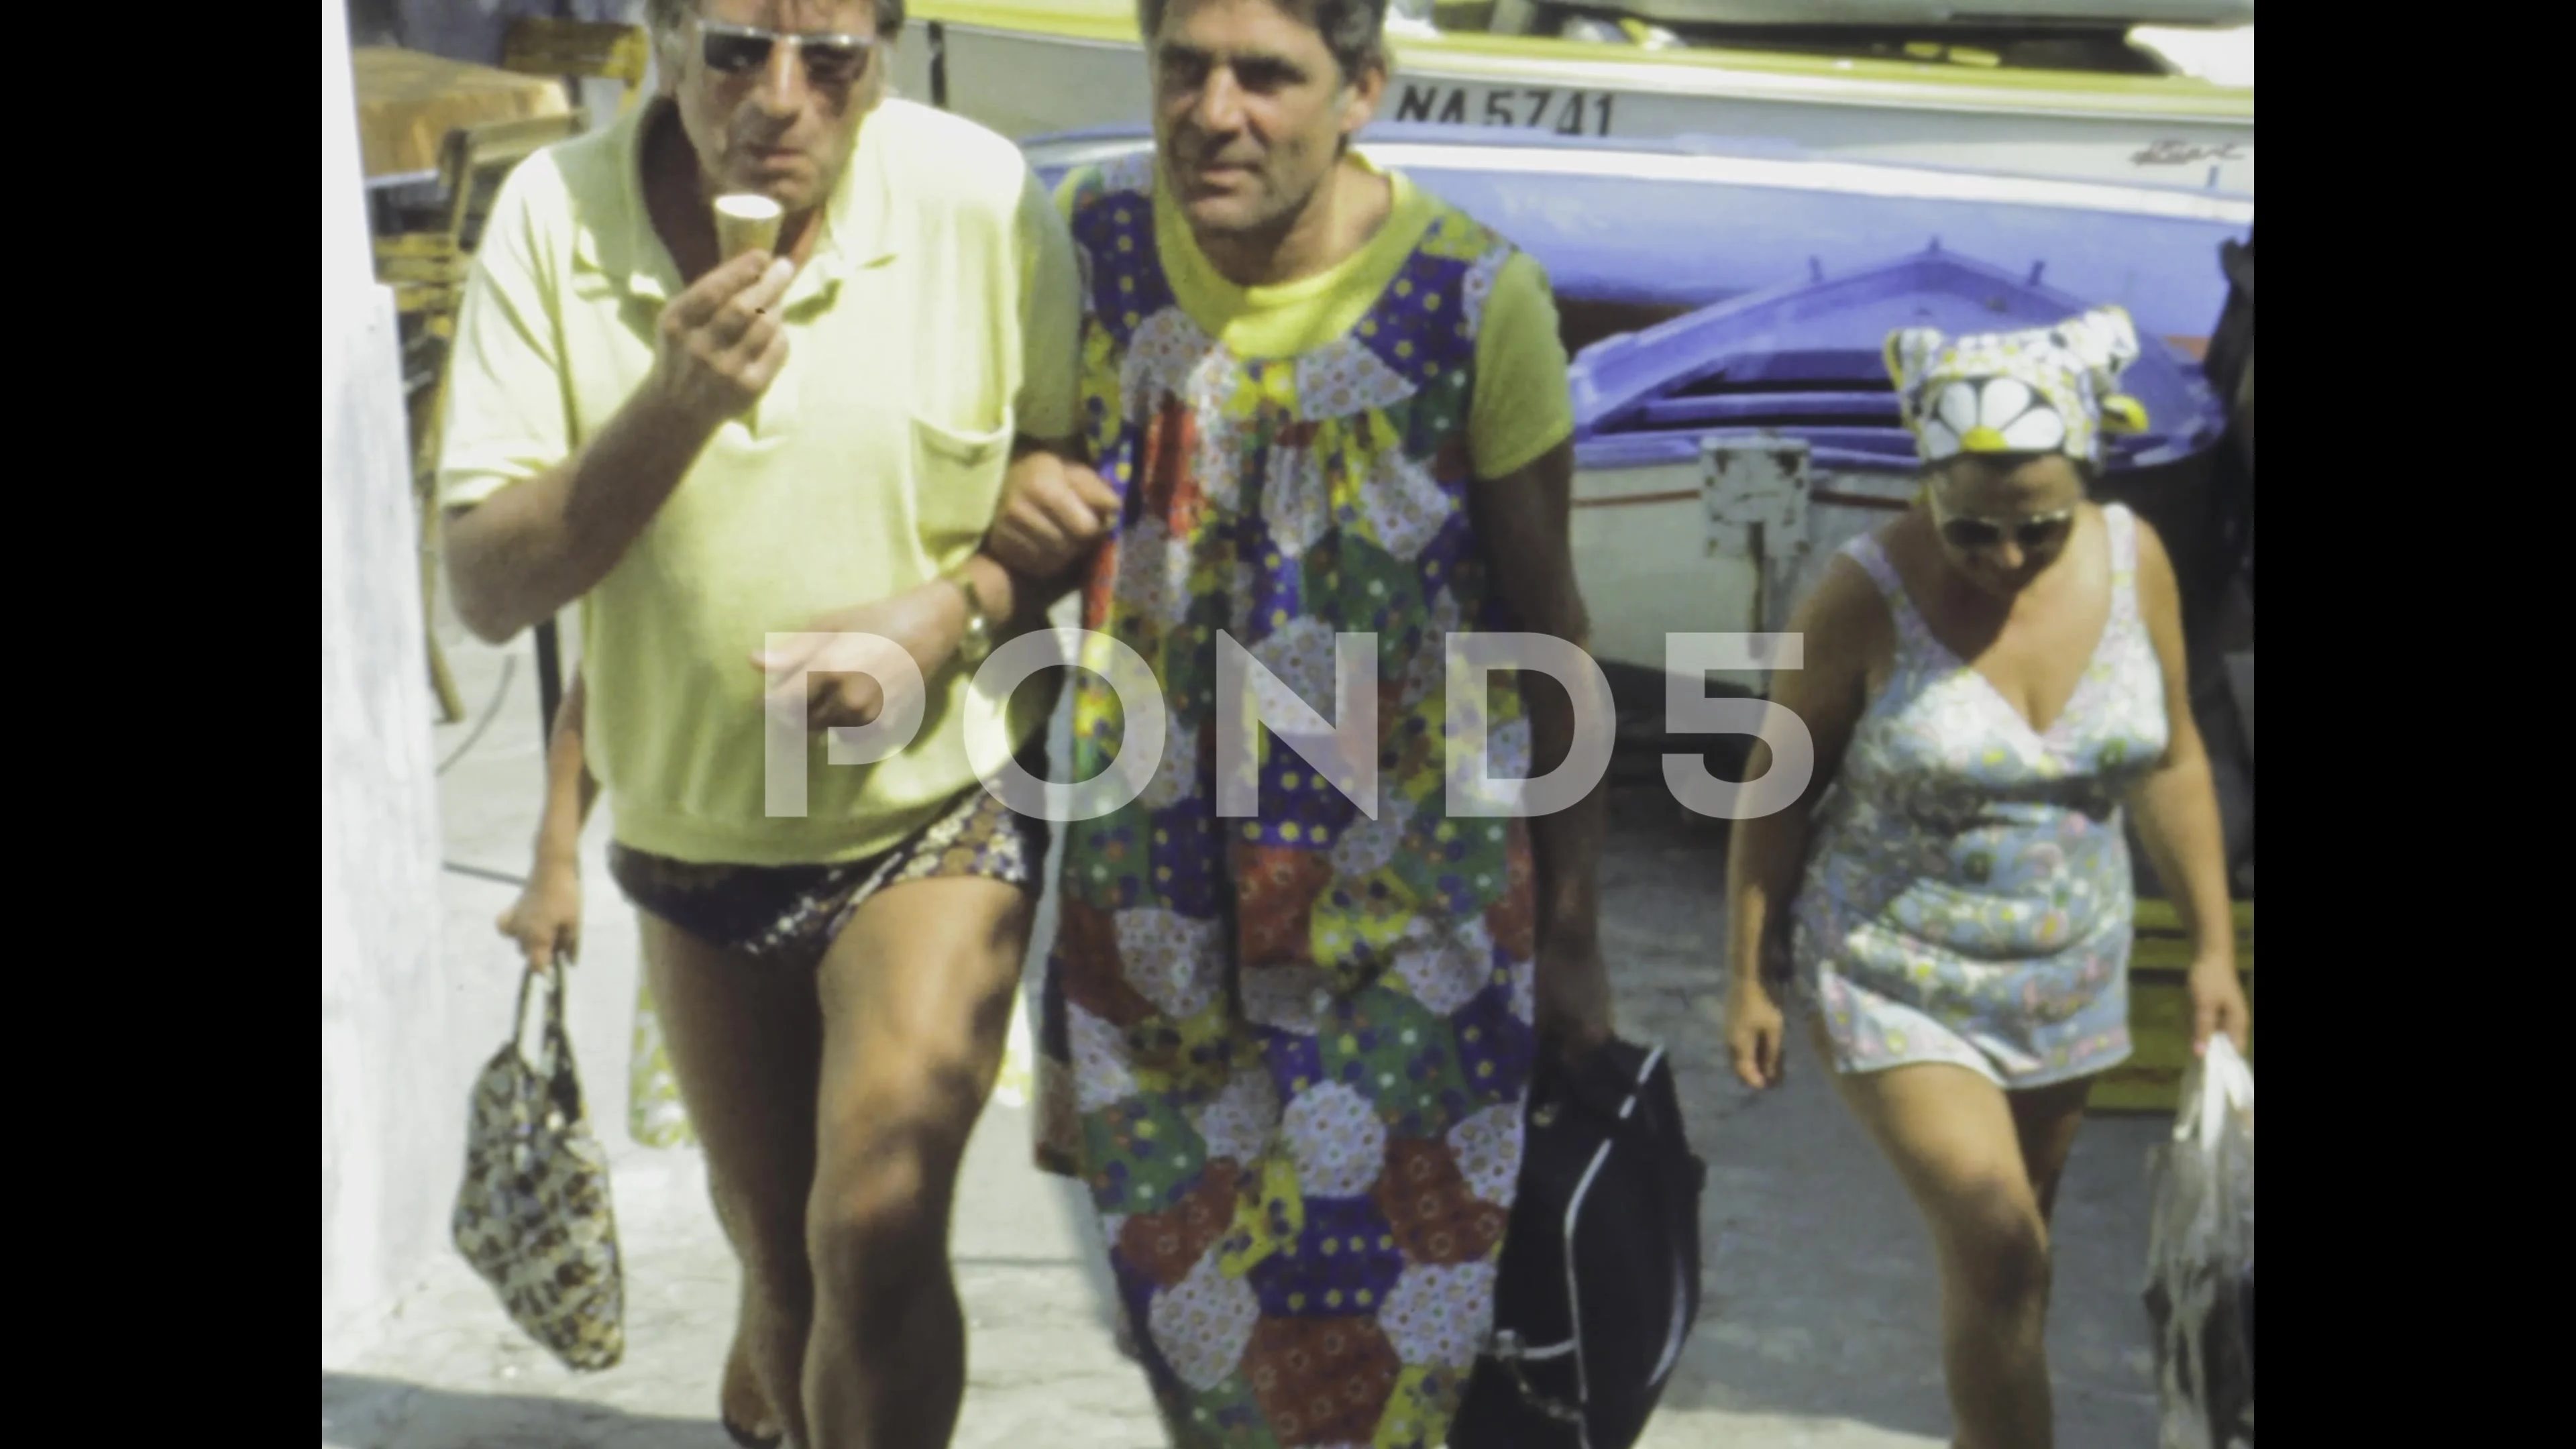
(372, 1413)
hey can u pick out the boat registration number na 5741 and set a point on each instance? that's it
(1531, 108)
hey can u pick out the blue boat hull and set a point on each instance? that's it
(1664, 226)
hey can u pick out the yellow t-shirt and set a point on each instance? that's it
(936, 319)
(1520, 407)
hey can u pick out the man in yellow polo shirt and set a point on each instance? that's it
(1288, 1050)
(706, 453)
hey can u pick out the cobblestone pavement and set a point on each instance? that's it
(1818, 1330)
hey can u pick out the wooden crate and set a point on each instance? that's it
(409, 100)
(2160, 1011)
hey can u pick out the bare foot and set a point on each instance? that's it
(741, 1406)
(747, 1417)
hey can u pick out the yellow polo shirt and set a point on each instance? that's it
(936, 319)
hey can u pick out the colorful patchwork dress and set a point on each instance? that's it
(1287, 1053)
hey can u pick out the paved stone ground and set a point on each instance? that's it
(1819, 1327)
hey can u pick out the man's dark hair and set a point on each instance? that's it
(1353, 30)
(664, 16)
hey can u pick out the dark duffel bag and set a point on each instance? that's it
(1599, 1283)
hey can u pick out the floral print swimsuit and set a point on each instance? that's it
(1968, 898)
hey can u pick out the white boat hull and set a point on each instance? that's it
(1028, 83)
(1648, 562)
(1654, 557)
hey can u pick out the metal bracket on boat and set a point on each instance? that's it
(1756, 493)
(1749, 481)
(1754, 483)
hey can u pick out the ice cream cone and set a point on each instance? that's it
(746, 223)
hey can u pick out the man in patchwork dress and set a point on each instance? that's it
(1288, 1050)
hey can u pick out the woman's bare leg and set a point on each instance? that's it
(745, 1040)
(1951, 1135)
(2046, 1119)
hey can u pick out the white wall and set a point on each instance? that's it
(392, 1099)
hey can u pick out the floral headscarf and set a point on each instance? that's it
(2045, 390)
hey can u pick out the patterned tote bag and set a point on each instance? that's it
(533, 1215)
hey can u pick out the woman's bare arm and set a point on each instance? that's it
(2177, 806)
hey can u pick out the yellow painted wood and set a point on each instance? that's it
(2160, 1010)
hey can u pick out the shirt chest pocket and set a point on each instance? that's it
(956, 485)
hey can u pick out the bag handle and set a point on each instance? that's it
(554, 1058)
(519, 1017)
(1508, 1349)
(2226, 1085)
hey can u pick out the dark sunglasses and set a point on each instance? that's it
(2036, 534)
(740, 49)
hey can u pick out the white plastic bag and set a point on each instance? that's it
(2200, 1258)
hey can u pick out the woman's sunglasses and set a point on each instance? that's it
(829, 59)
(2037, 533)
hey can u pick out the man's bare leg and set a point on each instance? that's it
(745, 1040)
(744, 1403)
(916, 996)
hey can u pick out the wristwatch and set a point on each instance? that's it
(978, 640)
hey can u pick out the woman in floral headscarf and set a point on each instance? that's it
(1989, 682)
